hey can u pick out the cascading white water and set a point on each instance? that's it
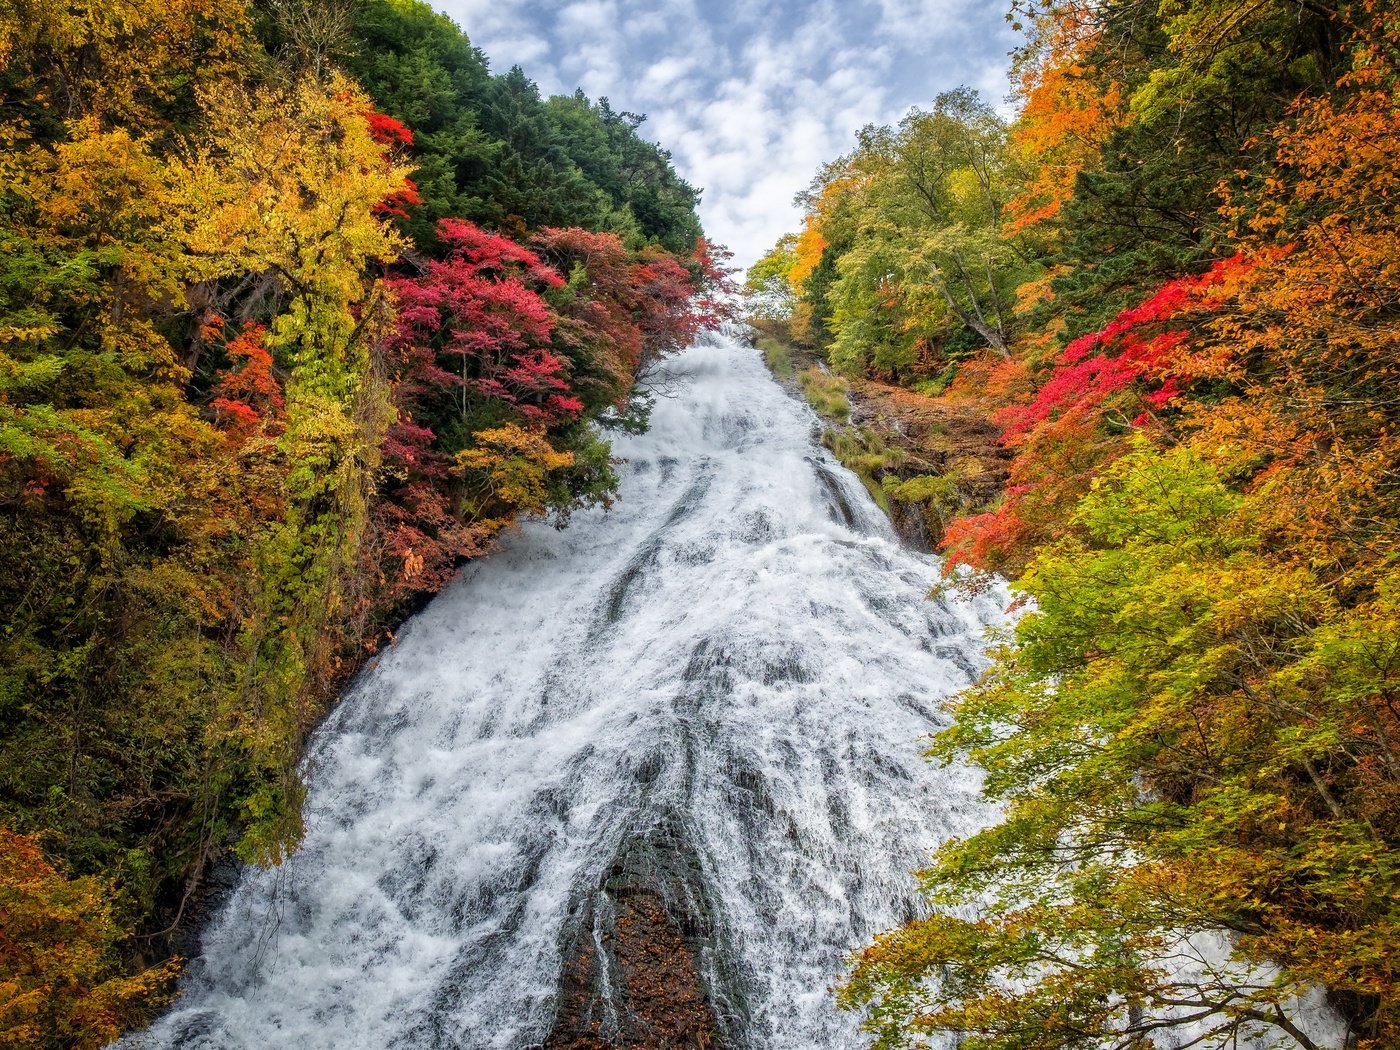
(739, 651)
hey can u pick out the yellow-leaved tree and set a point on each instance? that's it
(288, 183)
(57, 948)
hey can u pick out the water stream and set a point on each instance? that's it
(739, 654)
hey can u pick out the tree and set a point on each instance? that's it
(1169, 780)
(1203, 82)
(768, 291)
(1068, 110)
(291, 185)
(1305, 353)
(1100, 391)
(138, 65)
(480, 327)
(60, 984)
(911, 227)
(1193, 729)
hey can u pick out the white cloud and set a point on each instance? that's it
(523, 51)
(915, 18)
(597, 17)
(662, 75)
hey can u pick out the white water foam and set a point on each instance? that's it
(740, 649)
(739, 652)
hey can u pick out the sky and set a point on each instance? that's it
(751, 98)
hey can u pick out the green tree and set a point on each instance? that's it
(927, 261)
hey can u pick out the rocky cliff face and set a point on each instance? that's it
(925, 460)
(640, 972)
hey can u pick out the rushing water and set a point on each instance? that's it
(739, 653)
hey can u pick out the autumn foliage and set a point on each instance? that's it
(253, 408)
(1192, 730)
(1097, 392)
(58, 948)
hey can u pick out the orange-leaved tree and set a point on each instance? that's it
(58, 945)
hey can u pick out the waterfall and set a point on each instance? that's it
(729, 676)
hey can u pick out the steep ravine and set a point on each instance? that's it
(924, 460)
(644, 781)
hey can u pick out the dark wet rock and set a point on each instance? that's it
(639, 971)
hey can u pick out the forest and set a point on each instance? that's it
(1169, 282)
(300, 307)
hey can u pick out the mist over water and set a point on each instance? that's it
(738, 658)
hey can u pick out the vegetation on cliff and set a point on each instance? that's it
(299, 307)
(1170, 281)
